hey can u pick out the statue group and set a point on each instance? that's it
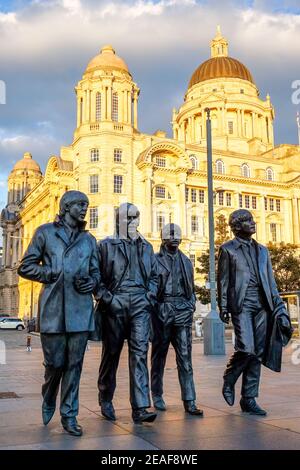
(140, 297)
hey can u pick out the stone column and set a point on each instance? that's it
(203, 124)
(93, 106)
(109, 97)
(253, 124)
(125, 106)
(193, 128)
(296, 229)
(271, 133)
(183, 214)
(135, 110)
(148, 195)
(220, 124)
(243, 123)
(223, 121)
(129, 104)
(239, 130)
(263, 220)
(87, 106)
(78, 111)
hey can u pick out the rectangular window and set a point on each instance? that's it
(114, 107)
(201, 196)
(93, 217)
(186, 194)
(160, 161)
(273, 231)
(240, 200)
(194, 224)
(278, 205)
(230, 127)
(271, 202)
(254, 202)
(228, 199)
(160, 221)
(94, 154)
(193, 260)
(117, 155)
(193, 195)
(118, 183)
(266, 203)
(247, 201)
(221, 198)
(98, 106)
(160, 192)
(94, 184)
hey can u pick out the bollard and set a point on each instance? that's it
(28, 345)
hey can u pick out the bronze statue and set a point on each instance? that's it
(63, 257)
(127, 295)
(247, 292)
(172, 319)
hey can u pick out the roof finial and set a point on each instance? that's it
(219, 45)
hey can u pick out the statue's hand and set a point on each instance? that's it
(225, 316)
(84, 285)
(284, 321)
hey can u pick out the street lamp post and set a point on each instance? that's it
(213, 327)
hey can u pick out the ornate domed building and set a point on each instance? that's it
(113, 162)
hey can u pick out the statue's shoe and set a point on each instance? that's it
(159, 403)
(228, 393)
(191, 408)
(107, 410)
(141, 415)
(71, 426)
(249, 405)
(47, 413)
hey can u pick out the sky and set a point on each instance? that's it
(45, 46)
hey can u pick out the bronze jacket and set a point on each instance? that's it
(233, 277)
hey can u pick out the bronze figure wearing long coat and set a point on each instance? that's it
(64, 258)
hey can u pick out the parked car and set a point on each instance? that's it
(3, 315)
(11, 323)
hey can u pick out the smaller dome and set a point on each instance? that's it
(107, 59)
(27, 163)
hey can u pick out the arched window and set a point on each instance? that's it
(270, 174)
(220, 167)
(98, 106)
(245, 170)
(114, 107)
(194, 162)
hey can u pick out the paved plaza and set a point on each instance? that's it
(221, 428)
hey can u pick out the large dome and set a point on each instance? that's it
(107, 60)
(220, 67)
(27, 163)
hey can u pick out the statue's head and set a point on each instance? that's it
(242, 223)
(171, 236)
(74, 204)
(127, 220)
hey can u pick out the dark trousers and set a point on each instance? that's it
(63, 359)
(250, 327)
(128, 316)
(180, 336)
